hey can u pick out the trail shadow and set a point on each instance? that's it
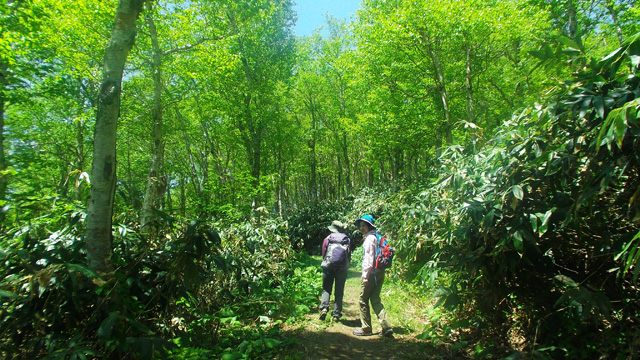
(316, 339)
(350, 323)
(334, 345)
(400, 330)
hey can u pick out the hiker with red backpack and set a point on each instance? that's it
(336, 258)
(377, 256)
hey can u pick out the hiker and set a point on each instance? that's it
(336, 257)
(372, 280)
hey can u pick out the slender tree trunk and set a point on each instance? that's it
(251, 131)
(469, 86)
(438, 77)
(502, 94)
(616, 22)
(396, 168)
(347, 163)
(79, 161)
(169, 200)
(155, 180)
(3, 160)
(103, 169)
(253, 142)
(256, 167)
(574, 31)
(345, 143)
(279, 186)
(313, 184)
(187, 143)
(183, 198)
(63, 184)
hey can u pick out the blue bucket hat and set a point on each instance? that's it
(368, 219)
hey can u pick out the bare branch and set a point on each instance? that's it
(191, 46)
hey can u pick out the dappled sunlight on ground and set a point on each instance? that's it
(316, 339)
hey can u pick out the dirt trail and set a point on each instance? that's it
(327, 339)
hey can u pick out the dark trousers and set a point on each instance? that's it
(328, 278)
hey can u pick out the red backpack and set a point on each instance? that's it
(384, 253)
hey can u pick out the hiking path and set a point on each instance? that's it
(317, 340)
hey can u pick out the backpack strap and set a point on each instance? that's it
(375, 265)
(339, 238)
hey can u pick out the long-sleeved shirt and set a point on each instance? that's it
(369, 255)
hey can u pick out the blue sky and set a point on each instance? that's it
(311, 13)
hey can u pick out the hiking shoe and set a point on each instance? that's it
(336, 319)
(361, 332)
(388, 332)
(323, 314)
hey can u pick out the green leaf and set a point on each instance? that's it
(518, 243)
(598, 103)
(7, 294)
(89, 273)
(545, 222)
(534, 222)
(565, 280)
(139, 326)
(518, 192)
(620, 123)
(105, 329)
(232, 356)
(568, 42)
(271, 343)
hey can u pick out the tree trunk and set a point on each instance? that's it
(3, 161)
(345, 143)
(347, 163)
(616, 22)
(279, 186)
(183, 198)
(313, 184)
(438, 77)
(574, 31)
(469, 86)
(155, 181)
(194, 171)
(169, 200)
(253, 143)
(79, 161)
(103, 169)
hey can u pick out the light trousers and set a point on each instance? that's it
(370, 293)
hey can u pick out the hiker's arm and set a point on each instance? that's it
(368, 257)
(324, 246)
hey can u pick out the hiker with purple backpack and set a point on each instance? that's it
(336, 257)
(372, 278)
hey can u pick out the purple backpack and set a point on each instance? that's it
(337, 254)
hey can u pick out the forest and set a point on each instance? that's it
(168, 170)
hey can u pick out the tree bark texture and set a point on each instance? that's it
(103, 169)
